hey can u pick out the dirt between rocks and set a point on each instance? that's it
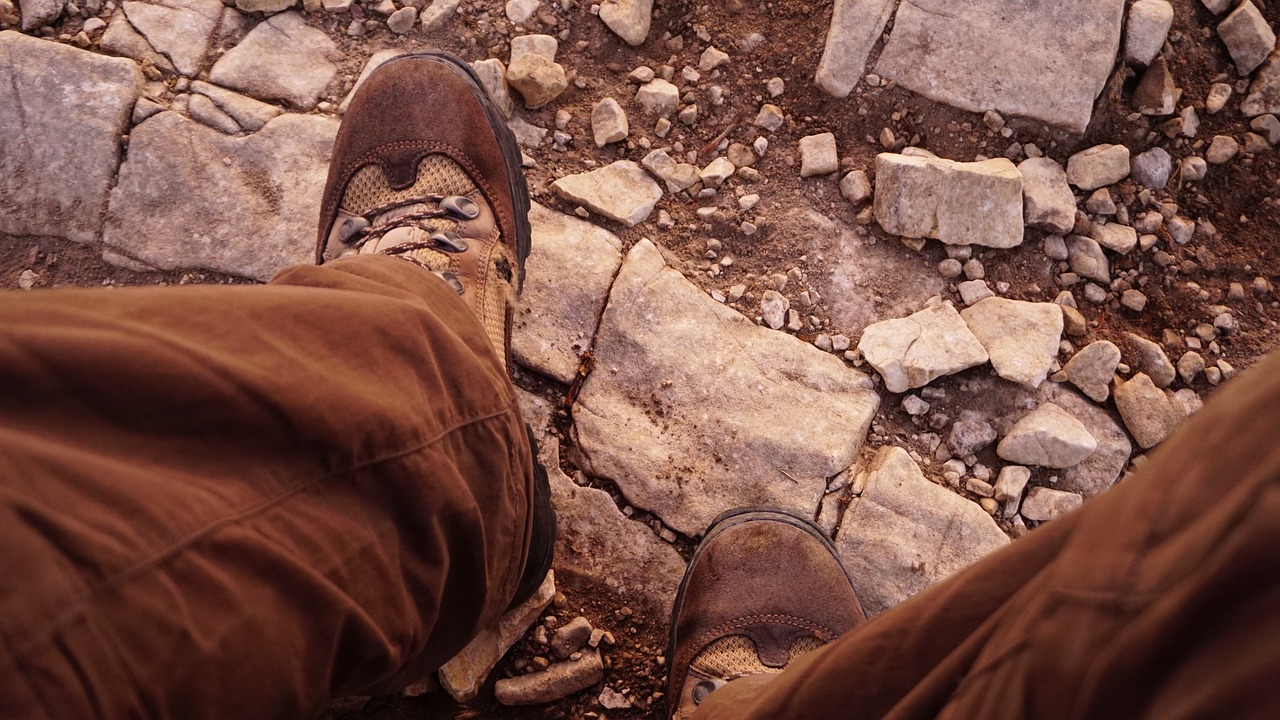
(1239, 199)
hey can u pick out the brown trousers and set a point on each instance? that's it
(242, 502)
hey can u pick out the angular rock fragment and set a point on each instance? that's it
(818, 155)
(1152, 360)
(856, 26)
(250, 114)
(1115, 237)
(1157, 94)
(913, 351)
(1046, 195)
(1048, 437)
(621, 191)
(1021, 338)
(904, 533)
(956, 203)
(1092, 369)
(1098, 166)
(1264, 94)
(609, 122)
(558, 681)
(1248, 37)
(1044, 504)
(537, 79)
(629, 19)
(1148, 26)
(1150, 414)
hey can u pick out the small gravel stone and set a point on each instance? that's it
(818, 155)
(1222, 149)
(770, 117)
(658, 97)
(1134, 300)
(1190, 365)
(538, 80)
(712, 58)
(1043, 504)
(570, 637)
(1269, 126)
(914, 406)
(1219, 94)
(974, 291)
(402, 20)
(773, 308)
(950, 268)
(1194, 168)
(1152, 168)
(1092, 369)
(775, 87)
(609, 122)
(856, 187)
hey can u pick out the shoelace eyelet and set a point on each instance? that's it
(463, 207)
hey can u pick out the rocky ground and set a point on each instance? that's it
(930, 273)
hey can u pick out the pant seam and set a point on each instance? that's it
(155, 559)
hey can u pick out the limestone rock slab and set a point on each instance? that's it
(1044, 60)
(250, 204)
(1049, 437)
(62, 117)
(622, 191)
(567, 279)
(38, 13)
(250, 114)
(693, 409)
(957, 203)
(855, 28)
(596, 542)
(904, 534)
(913, 351)
(1044, 504)
(1021, 337)
(178, 29)
(282, 58)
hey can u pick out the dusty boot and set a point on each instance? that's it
(424, 169)
(763, 588)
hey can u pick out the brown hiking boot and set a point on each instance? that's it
(763, 588)
(425, 169)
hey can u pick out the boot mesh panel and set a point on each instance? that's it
(735, 655)
(437, 175)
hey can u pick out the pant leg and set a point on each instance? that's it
(239, 502)
(1157, 599)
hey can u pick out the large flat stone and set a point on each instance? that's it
(856, 25)
(914, 351)
(1044, 60)
(566, 285)
(692, 409)
(62, 117)
(280, 59)
(957, 203)
(249, 204)
(904, 534)
(178, 29)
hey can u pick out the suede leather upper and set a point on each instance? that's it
(768, 579)
(436, 108)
